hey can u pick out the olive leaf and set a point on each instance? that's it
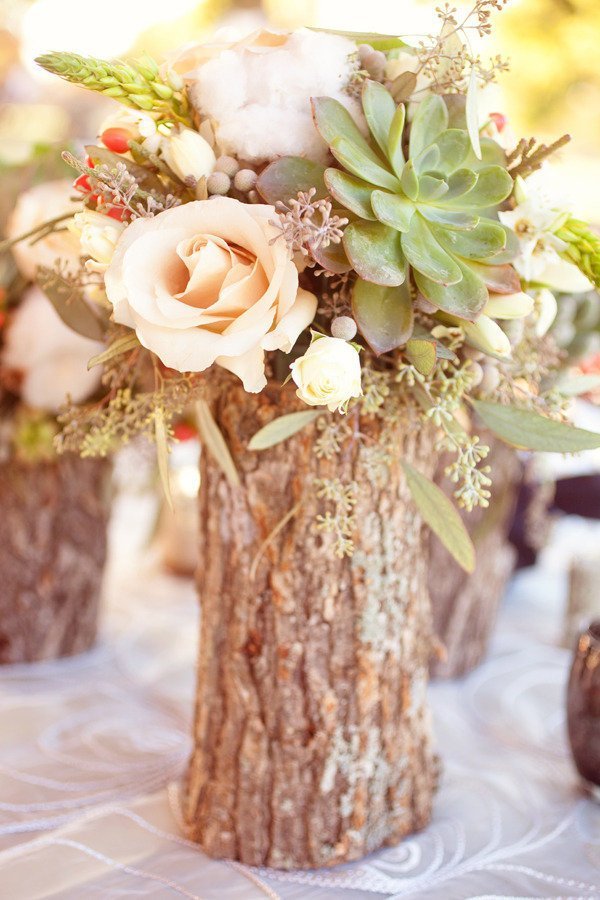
(67, 298)
(121, 345)
(529, 430)
(282, 428)
(442, 517)
(213, 440)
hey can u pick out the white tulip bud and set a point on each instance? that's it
(546, 308)
(343, 327)
(509, 306)
(187, 154)
(328, 374)
(486, 335)
(98, 235)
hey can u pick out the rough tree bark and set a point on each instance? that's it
(52, 553)
(465, 607)
(312, 741)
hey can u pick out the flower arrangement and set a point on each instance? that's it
(43, 360)
(328, 208)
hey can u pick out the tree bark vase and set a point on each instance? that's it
(312, 736)
(53, 535)
(465, 607)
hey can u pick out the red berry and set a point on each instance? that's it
(82, 184)
(116, 139)
(89, 162)
(117, 212)
(499, 120)
(184, 432)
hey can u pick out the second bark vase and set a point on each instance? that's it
(312, 735)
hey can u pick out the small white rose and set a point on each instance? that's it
(98, 235)
(50, 358)
(328, 374)
(187, 154)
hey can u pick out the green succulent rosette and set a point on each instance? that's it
(429, 206)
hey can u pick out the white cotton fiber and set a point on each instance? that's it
(260, 99)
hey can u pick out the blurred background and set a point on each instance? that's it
(553, 85)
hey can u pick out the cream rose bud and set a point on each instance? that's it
(187, 153)
(98, 235)
(50, 358)
(210, 281)
(328, 374)
(34, 207)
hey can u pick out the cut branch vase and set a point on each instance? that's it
(53, 532)
(312, 735)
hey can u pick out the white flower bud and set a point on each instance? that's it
(486, 335)
(509, 306)
(491, 378)
(546, 308)
(343, 327)
(328, 374)
(187, 154)
(98, 235)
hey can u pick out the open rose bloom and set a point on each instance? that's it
(210, 282)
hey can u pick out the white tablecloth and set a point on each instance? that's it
(91, 750)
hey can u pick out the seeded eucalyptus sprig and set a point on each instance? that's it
(583, 248)
(137, 83)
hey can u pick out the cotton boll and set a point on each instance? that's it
(258, 95)
(51, 358)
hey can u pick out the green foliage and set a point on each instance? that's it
(532, 431)
(282, 428)
(212, 438)
(137, 83)
(583, 248)
(442, 517)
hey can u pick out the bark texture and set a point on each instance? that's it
(312, 740)
(464, 606)
(52, 551)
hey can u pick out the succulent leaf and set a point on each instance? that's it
(392, 209)
(375, 251)
(464, 299)
(334, 121)
(285, 177)
(493, 185)
(431, 118)
(486, 239)
(384, 315)
(379, 108)
(431, 187)
(353, 193)
(409, 181)
(453, 146)
(427, 256)
(362, 165)
(394, 146)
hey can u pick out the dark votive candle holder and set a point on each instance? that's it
(583, 708)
